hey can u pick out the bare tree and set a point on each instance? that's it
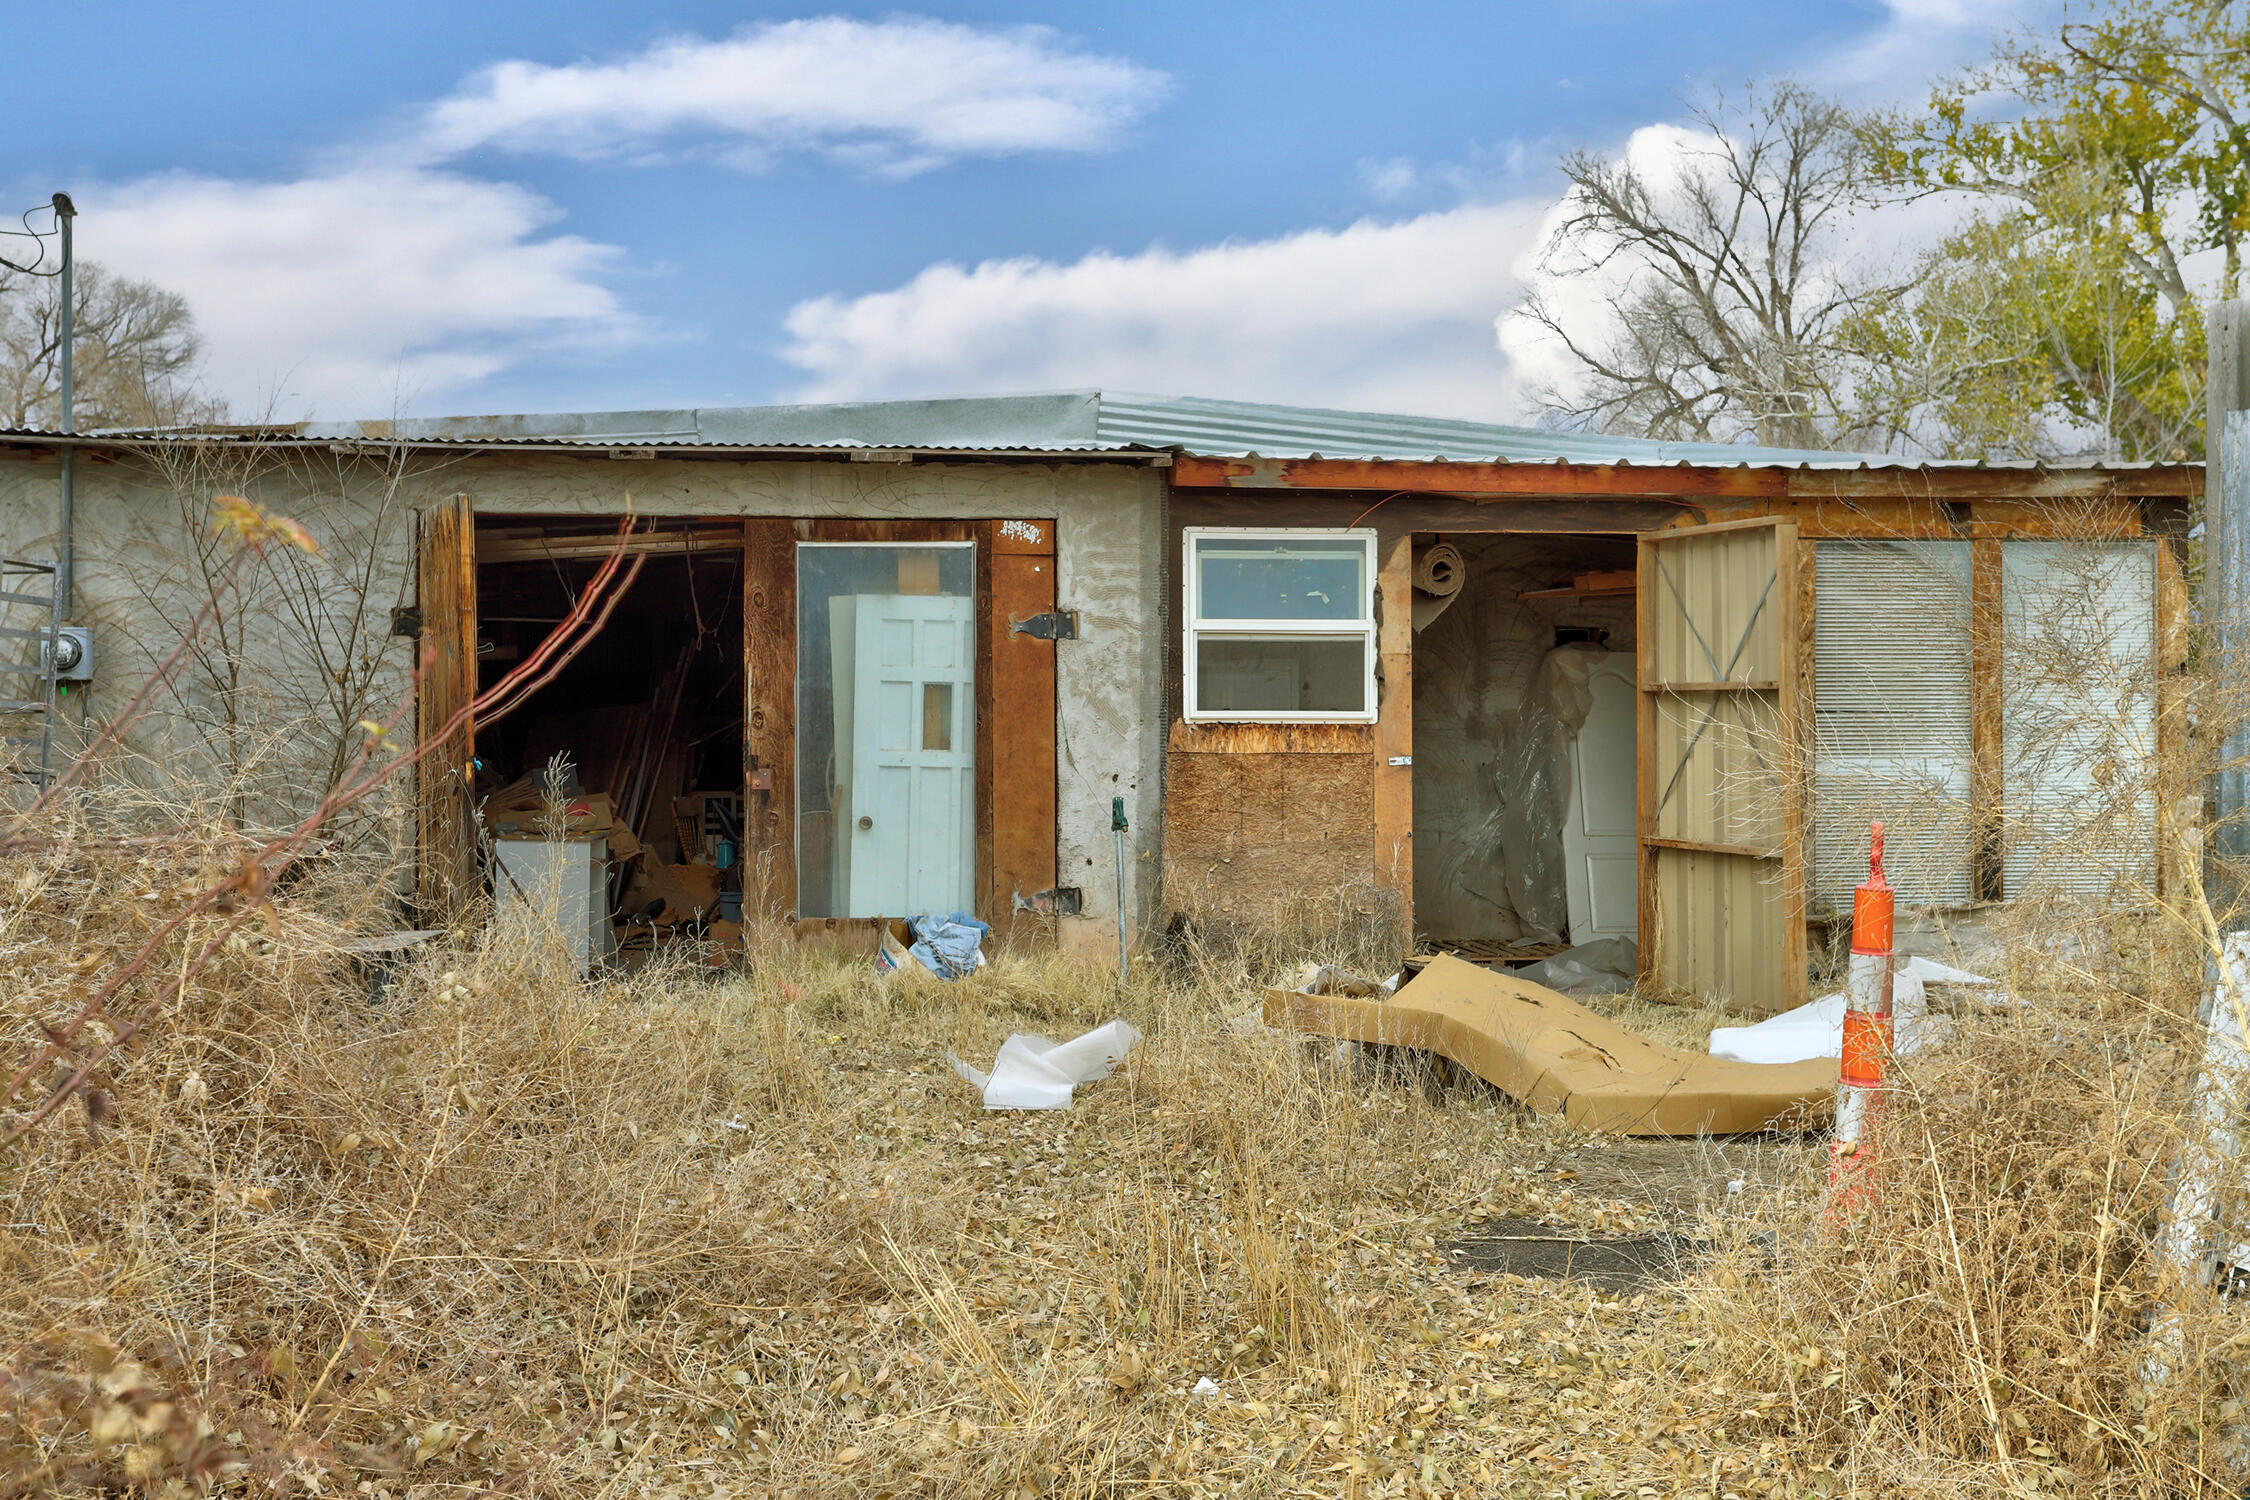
(134, 353)
(1726, 306)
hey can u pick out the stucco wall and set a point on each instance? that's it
(138, 583)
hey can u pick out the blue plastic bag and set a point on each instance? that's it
(950, 947)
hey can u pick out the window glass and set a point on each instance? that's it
(1281, 578)
(1275, 674)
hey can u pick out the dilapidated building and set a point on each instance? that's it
(1515, 687)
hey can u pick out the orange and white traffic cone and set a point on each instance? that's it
(1867, 1034)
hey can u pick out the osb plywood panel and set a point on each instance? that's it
(1722, 768)
(1249, 836)
(1719, 927)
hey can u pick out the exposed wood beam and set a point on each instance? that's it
(505, 548)
(1558, 481)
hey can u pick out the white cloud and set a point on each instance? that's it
(1918, 42)
(1383, 316)
(893, 96)
(349, 293)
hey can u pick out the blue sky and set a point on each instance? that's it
(502, 207)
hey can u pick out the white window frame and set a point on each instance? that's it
(1194, 628)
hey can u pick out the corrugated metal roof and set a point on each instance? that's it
(1069, 423)
(1232, 429)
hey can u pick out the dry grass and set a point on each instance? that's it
(677, 1233)
(750, 1235)
(1982, 1324)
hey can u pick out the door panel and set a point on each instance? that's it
(443, 782)
(1600, 836)
(1722, 766)
(911, 848)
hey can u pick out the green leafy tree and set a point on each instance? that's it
(2099, 160)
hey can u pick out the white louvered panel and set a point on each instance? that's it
(1893, 730)
(2078, 717)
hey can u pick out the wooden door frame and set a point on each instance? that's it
(1026, 843)
(445, 591)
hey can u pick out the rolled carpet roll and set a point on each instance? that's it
(1439, 573)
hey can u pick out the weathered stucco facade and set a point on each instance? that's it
(261, 696)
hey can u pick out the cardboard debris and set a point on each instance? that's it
(685, 891)
(519, 810)
(1559, 1058)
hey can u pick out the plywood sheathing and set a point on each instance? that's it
(1474, 665)
(1262, 818)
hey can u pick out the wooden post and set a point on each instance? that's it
(1394, 723)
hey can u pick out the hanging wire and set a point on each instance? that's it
(37, 238)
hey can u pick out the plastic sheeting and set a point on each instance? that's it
(1605, 966)
(1034, 1073)
(1816, 1029)
(950, 947)
(1531, 784)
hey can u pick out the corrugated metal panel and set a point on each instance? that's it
(2078, 717)
(1242, 428)
(1071, 422)
(1893, 721)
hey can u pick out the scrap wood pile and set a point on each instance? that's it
(652, 896)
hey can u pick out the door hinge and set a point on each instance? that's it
(1056, 625)
(406, 621)
(1062, 901)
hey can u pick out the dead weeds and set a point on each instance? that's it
(500, 1232)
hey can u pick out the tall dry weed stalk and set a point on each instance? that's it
(1983, 1323)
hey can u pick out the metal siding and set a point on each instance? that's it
(2078, 718)
(1719, 605)
(1893, 719)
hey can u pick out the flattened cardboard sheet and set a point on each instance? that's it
(1558, 1057)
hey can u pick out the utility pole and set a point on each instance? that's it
(66, 548)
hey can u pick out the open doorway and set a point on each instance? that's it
(643, 726)
(1525, 754)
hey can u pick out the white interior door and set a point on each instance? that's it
(907, 819)
(1601, 855)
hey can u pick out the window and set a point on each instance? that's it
(1280, 625)
(1893, 719)
(2078, 717)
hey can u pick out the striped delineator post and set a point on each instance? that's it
(1867, 1032)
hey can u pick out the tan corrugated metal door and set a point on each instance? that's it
(443, 782)
(1722, 763)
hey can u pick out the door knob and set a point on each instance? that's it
(866, 823)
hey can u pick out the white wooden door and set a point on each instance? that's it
(1601, 851)
(909, 824)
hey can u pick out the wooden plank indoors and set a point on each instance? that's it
(444, 781)
(1017, 756)
(1722, 767)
